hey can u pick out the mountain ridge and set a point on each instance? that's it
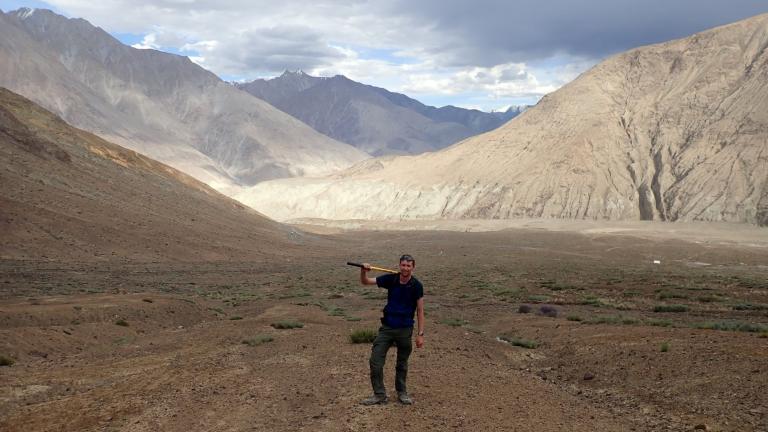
(70, 195)
(371, 118)
(672, 131)
(159, 104)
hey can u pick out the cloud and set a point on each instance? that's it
(512, 80)
(449, 33)
(149, 42)
(495, 48)
(492, 32)
(272, 49)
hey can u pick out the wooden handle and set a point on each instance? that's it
(373, 267)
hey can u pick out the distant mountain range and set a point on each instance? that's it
(159, 104)
(672, 132)
(372, 119)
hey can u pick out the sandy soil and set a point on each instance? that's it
(605, 362)
(697, 232)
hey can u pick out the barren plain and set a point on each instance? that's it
(615, 341)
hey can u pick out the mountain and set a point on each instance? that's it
(68, 194)
(159, 104)
(674, 132)
(372, 119)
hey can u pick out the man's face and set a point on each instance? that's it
(406, 268)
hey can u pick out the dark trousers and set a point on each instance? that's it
(401, 338)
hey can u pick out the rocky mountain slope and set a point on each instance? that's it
(674, 131)
(68, 194)
(373, 119)
(159, 104)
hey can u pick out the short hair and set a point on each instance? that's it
(409, 258)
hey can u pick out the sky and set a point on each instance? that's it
(484, 54)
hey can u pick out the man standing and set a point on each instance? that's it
(405, 295)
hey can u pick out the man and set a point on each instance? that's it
(405, 295)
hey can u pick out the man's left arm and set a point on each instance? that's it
(420, 322)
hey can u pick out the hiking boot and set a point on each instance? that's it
(375, 400)
(404, 398)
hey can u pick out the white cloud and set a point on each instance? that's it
(511, 80)
(149, 42)
(494, 50)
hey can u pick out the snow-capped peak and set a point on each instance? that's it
(25, 12)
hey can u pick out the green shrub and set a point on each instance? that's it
(362, 336)
(574, 318)
(733, 326)
(349, 318)
(659, 322)
(507, 292)
(538, 298)
(671, 308)
(665, 347)
(122, 340)
(258, 340)
(6, 361)
(473, 329)
(592, 301)
(235, 318)
(121, 322)
(147, 300)
(453, 322)
(614, 319)
(524, 343)
(287, 324)
(603, 320)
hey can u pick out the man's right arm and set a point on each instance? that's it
(364, 279)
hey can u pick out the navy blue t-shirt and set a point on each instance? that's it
(401, 300)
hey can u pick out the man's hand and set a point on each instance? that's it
(419, 341)
(364, 279)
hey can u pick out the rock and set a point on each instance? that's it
(701, 426)
(589, 376)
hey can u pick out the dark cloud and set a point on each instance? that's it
(495, 31)
(281, 48)
(272, 50)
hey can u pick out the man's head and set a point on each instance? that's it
(407, 263)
